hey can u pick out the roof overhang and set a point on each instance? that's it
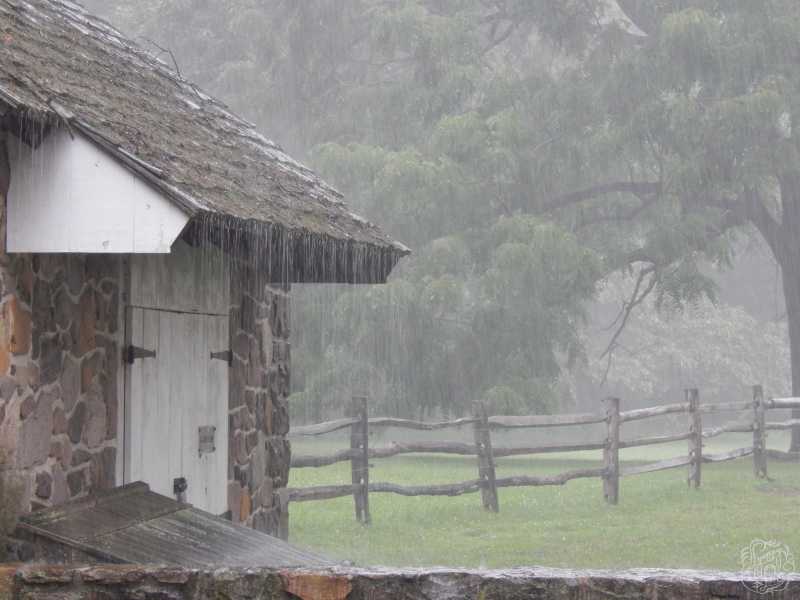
(70, 193)
(282, 255)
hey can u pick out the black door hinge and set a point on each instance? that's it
(225, 355)
(133, 352)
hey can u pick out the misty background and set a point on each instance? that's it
(469, 131)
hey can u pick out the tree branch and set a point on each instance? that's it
(619, 216)
(637, 297)
(634, 13)
(164, 51)
(638, 188)
(495, 41)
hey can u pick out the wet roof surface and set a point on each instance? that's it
(61, 65)
(131, 524)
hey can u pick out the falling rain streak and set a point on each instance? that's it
(603, 200)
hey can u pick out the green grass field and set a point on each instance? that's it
(659, 521)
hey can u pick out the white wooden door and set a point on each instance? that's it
(170, 397)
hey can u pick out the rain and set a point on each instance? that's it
(542, 262)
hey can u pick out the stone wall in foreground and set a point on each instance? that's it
(124, 581)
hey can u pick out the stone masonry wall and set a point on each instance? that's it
(174, 583)
(59, 358)
(258, 403)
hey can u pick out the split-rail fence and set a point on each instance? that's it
(487, 482)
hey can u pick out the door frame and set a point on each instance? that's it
(184, 387)
(123, 318)
(124, 440)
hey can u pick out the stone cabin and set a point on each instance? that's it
(150, 239)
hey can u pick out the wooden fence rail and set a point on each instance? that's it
(327, 492)
(487, 483)
(783, 403)
(499, 422)
(545, 421)
(397, 448)
(655, 411)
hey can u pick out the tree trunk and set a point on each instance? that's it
(781, 236)
(790, 270)
(786, 247)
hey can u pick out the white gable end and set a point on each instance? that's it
(68, 195)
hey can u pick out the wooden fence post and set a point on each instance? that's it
(695, 437)
(283, 515)
(483, 445)
(359, 460)
(759, 434)
(611, 452)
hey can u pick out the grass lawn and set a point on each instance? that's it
(659, 521)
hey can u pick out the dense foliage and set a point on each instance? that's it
(524, 150)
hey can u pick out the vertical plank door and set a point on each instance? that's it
(171, 396)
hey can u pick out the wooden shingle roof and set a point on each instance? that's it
(62, 67)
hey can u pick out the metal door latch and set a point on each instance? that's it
(225, 355)
(206, 443)
(179, 487)
(133, 352)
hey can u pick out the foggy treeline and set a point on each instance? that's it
(599, 197)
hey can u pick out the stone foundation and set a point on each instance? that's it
(111, 582)
(259, 452)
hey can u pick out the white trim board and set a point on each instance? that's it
(68, 195)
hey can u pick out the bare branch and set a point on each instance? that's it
(497, 40)
(640, 20)
(164, 50)
(637, 297)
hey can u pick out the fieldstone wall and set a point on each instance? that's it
(259, 452)
(59, 357)
(128, 581)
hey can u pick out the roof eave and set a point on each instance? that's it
(284, 256)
